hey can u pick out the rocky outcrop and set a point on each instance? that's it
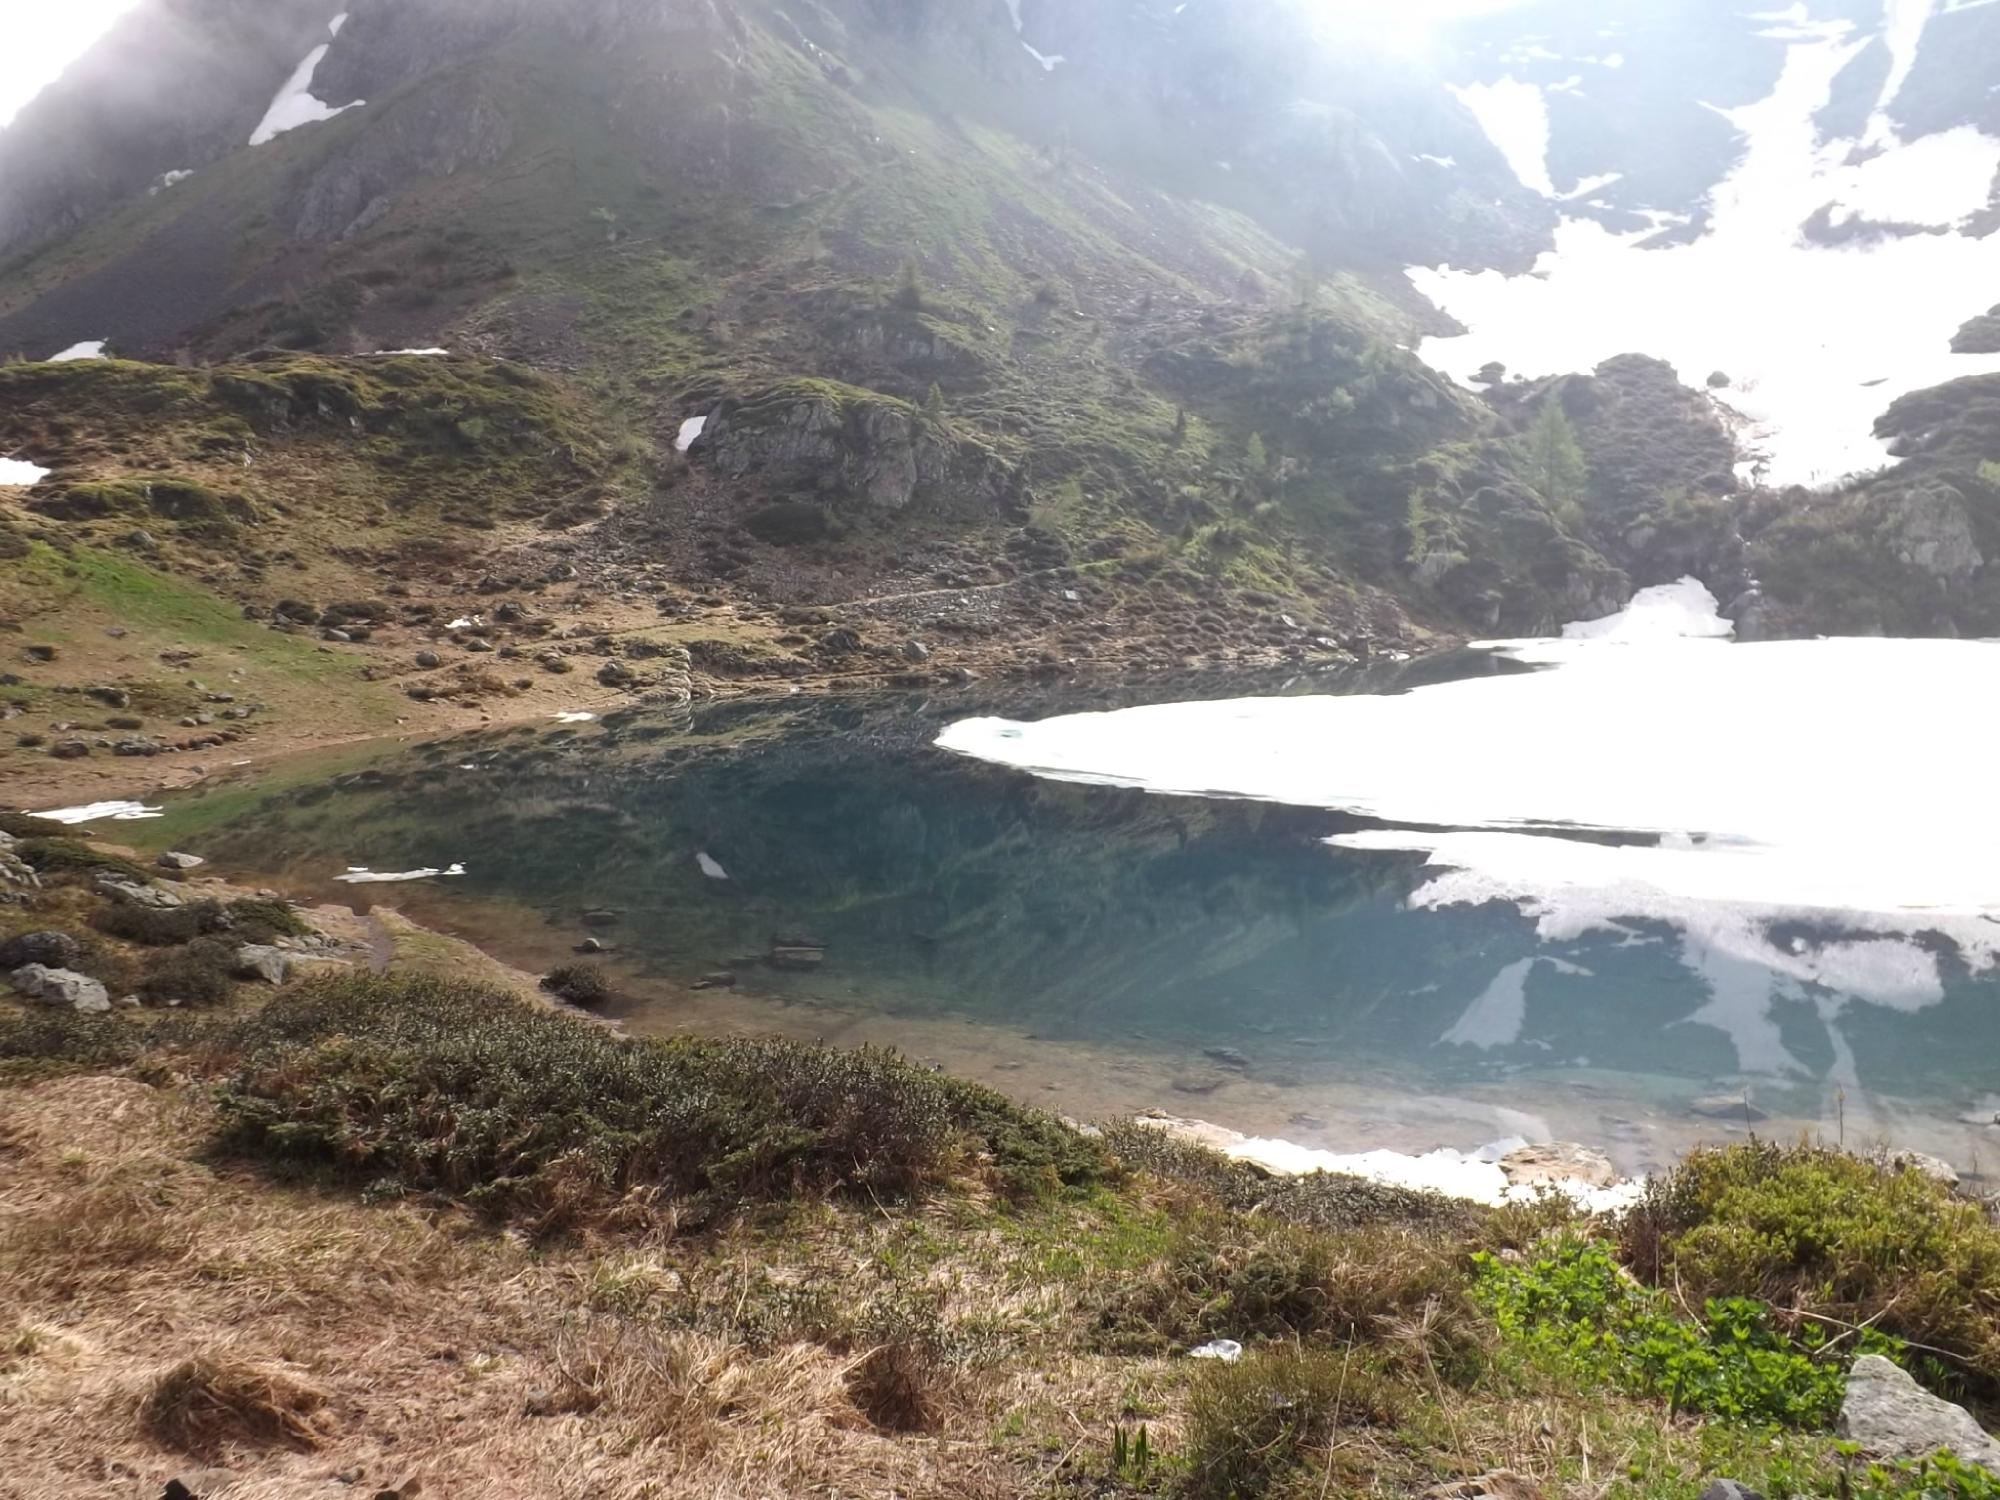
(1928, 528)
(1892, 1417)
(845, 446)
(40, 985)
(189, 81)
(54, 950)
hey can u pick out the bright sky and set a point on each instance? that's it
(39, 39)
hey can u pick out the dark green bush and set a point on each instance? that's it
(42, 1034)
(67, 856)
(258, 920)
(1255, 1425)
(159, 927)
(21, 825)
(201, 973)
(1821, 1232)
(579, 984)
(440, 1087)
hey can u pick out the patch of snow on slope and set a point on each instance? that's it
(295, 105)
(18, 471)
(1515, 117)
(362, 875)
(1750, 296)
(88, 349)
(101, 812)
(691, 429)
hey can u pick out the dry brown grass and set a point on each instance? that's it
(213, 1402)
(447, 1352)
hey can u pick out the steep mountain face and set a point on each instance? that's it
(897, 297)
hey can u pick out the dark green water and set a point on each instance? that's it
(1092, 916)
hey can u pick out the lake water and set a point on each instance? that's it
(1632, 892)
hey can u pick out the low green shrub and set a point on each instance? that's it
(259, 919)
(1821, 1234)
(579, 984)
(159, 927)
(22, 825)
(43, 1035)
(57, 857)
(200, 973)
(1572, 1310)
(1256, 1425)
(419, 1084)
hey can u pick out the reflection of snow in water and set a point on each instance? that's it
(1802, 330)
(1865, 837)
(1496, 1017)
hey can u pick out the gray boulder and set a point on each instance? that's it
(260, 961)
(132, 893)
(1892, 1417)
(45, 986)
(173, 860)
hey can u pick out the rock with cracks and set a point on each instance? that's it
(45, 986)
(1892, 1417)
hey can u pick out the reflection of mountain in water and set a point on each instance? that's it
(1070, 911)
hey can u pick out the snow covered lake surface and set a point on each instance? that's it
(1817, 340)
(1805, 826)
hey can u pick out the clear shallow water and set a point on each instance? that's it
(1102, 942)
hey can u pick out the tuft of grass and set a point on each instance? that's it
(1256, 1425)
(258, 920)
(424, 1085)
(21, 825)
(1832, 1241)
(212, 1402)
(202, 973)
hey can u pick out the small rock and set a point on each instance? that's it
(1933, 1167)
(916, 651)
(1558, 1161)
(198, 1484)
(263, 962)
(588, 945)
(46, 986)
(615, 674)
(428, 659)
(721, 979)
(69, 749)
(1729, 1489)
(1890, 1416)
(173, 860)
(1229, 1057)
(1199, 1083)
(1499, 1484)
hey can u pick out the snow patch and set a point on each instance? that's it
(1515, 117)
(710, 867)
(397, 353)
(574, 716)
(102, 812)
(1048, 63)
(18, 471)
(1750, 295)
(89, 349)
(691, 429)
(295, 105)
(169, 179)
(362, 875)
